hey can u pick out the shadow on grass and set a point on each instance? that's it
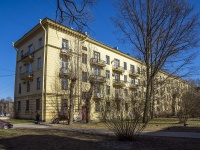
(46, 142)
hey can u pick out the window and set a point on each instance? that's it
(97, 56)
(39, 63)
(37, 104)
(107, 90)
(84, 95)
(64, 83)
(117, 91)
(38, 83)
(40, 44)
(64, 106)
(27, 104)
(117, 77)
(20, 71)
(19, 105)
(132, 68)
(84, 76)
(125, 66)
(28, 86)
(97, 88)
(29, 68)
(132, 81)
(125, 92)
(138, 70)
(108, 106)
(20, 88)
(97, 106)
(139, 94)
(84, 48)
(97, 71)
(116, 62)
(64, 63)
(84, 58)
(30, 48)
(65, 44)
(107, 59)
(138, 82)
(126, 106)
(22, 54)
(108, 74)
(125, 78)
(118, 106)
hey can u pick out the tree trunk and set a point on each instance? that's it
(88, 104)
(173, 105)
(71, 97)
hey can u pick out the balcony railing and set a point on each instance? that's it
(118, 69)
(98, 95)
(97, 79)
(118, 83)
(133, 73)
(27, 57)
(119, 96)
(65, 72)
(28, 75)
(66, 52)
(133, 86)
(97, 62)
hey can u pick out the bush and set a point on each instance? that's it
(126, 129)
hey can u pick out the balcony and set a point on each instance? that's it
(133, 86)
(119, 83)
(96, 62)
(118, 69)
(27, 76)
(27, 57)
(97, 79)
(98, 96)
(119, 96)
(133, 74)
(65, 72)
(66, 52)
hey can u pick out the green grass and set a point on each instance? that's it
(18, 121)
(164, 123)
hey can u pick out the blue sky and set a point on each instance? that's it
(19, 16)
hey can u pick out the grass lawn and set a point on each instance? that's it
(172, 124)
(31, 139)
(157, 124)
(17, 121)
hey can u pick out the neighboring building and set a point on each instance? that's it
(46, 59)
(6, 109)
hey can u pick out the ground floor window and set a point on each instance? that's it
(19, 105)
(37, 104)
(107, 106)
(118, 106)
(126, 106)
(27, 104)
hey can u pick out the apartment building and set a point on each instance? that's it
(50, 55)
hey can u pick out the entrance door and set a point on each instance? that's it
(83, 113)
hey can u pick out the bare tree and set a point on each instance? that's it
(75, 12)
(162, 32)
(189, 104)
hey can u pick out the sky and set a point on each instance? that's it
(19, 16)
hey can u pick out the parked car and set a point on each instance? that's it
(5, 124)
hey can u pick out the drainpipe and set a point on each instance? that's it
(80, 83)
(15, 107)
(44, 69)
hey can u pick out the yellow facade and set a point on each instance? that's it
(47, 59)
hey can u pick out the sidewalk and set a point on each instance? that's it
(105, 131)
